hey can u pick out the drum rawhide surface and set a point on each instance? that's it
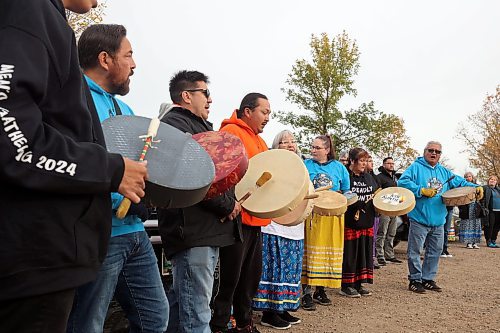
(180, 170)
(229, 157)
(394, 201)
(330, 203)
(459, 196)
(282, 193)
(300, 213)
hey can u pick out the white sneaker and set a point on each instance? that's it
(475, 246)
(443, 255)
(469, 246)
(449, 255)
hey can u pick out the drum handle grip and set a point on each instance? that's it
(311, 196)
(264, 178)
(122, 210)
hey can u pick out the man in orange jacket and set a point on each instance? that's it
(241, 263)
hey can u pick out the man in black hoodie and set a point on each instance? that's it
(387, 228)
(192, 236)
(56, 175)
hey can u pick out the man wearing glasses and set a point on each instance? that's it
(387, 227)
(428, 180)
(192, 236)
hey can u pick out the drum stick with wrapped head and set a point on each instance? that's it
(122, 210)
(323, 188)
(449, 180)
(264, 178)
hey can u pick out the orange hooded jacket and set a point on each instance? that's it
(254, 144)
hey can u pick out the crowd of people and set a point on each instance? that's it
(65, 254)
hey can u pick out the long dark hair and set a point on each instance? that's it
(328, 142)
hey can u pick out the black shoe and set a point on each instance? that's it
(395, 260)
(416, 287)
(320, 297)
(363, 291)
(431, 285)
(272, 319)
(289, 318)
(381, 261)
(349, 292)
(307, 303)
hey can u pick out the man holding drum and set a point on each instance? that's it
(192, 236)
(130, 270)
(241, 263)
(428, 179)
(387, 227)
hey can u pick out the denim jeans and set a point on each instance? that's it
(130, 272)
(191, 292)
(433, 238)
(446, 229)
(385, 237)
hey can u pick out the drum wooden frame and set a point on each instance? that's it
(282, 193)
(300, 213)
(459, 196)
(330, 203)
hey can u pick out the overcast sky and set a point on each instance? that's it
(430, 62)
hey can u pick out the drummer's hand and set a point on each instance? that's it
(236, 211)
(479, 192)
(133, 181)
(428, 192)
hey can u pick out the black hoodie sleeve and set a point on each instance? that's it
(45, 125)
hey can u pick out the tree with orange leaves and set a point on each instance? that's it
(481, 135)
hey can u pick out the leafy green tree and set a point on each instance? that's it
(481, 136)
(317, 87)
(390, 139)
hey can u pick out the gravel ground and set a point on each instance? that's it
(470, 301)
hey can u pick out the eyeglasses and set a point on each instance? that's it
(343, 160)
(205, 92)
(317, 147)
(288, 142)
(434, 151)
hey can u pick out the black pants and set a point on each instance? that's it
(46, 313)
(240, 271)
(491, 231)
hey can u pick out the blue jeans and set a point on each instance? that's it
(130, 271)
(433, 238)
(191, 292)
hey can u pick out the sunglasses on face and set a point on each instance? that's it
(205, 92)
(434, 151)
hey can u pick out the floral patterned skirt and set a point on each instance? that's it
(279, 286)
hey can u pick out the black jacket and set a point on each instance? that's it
(386, 179)
(198, 225)
(364, 185)
(55, 208)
